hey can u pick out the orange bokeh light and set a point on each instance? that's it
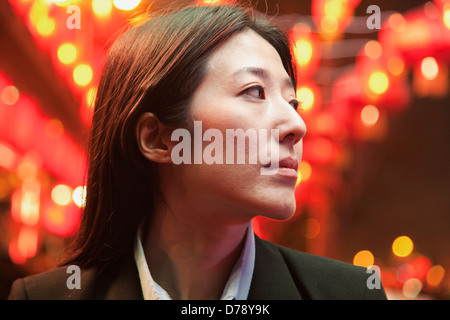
(395, 65)
(9, 95)
(363, 258)
(435, 275)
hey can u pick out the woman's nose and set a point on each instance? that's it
(291, 126)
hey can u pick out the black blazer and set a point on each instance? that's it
(280, 274)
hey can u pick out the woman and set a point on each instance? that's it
(154, 229)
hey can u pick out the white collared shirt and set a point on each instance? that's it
(238, 284)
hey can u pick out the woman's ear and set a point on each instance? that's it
(153, 138)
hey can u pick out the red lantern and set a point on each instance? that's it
(417, 35)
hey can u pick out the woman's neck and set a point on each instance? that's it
(192, 257)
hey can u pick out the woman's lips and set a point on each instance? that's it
(287, 167)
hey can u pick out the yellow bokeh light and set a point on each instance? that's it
(45, 26)
(378, 82)
(306, 97)
(67, 53)
(395, 65)
(303, 51)
(363, 258)
(304, 172)
(61, 194)
(102, 8)
(126, 4)
(334, 8)
(82, 74)
(62, 3)
(30, 202)
(429, 68)
(38, 10)
(402, 246)
(9, 95)
(369, 115)
(79, 196)
(299, 178)
(373, 49)
(56, 1)
(446, 15)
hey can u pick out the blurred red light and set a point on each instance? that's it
(61, 220)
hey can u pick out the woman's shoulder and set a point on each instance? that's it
(61, 283)
(115, 280)
(310, 262)
(318, 264)
(319, 277)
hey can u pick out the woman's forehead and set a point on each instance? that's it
(246, 52)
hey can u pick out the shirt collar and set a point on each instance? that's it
(236, 288)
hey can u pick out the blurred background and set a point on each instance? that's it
(374, 183)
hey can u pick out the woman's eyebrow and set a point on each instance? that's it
(263, 74)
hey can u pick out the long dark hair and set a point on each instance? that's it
(154, 67)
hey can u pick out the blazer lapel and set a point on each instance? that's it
(271, 276)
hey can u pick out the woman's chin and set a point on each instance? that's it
(280, 211)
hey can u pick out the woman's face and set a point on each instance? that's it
(245, 87)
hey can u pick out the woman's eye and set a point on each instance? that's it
(256, 92)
